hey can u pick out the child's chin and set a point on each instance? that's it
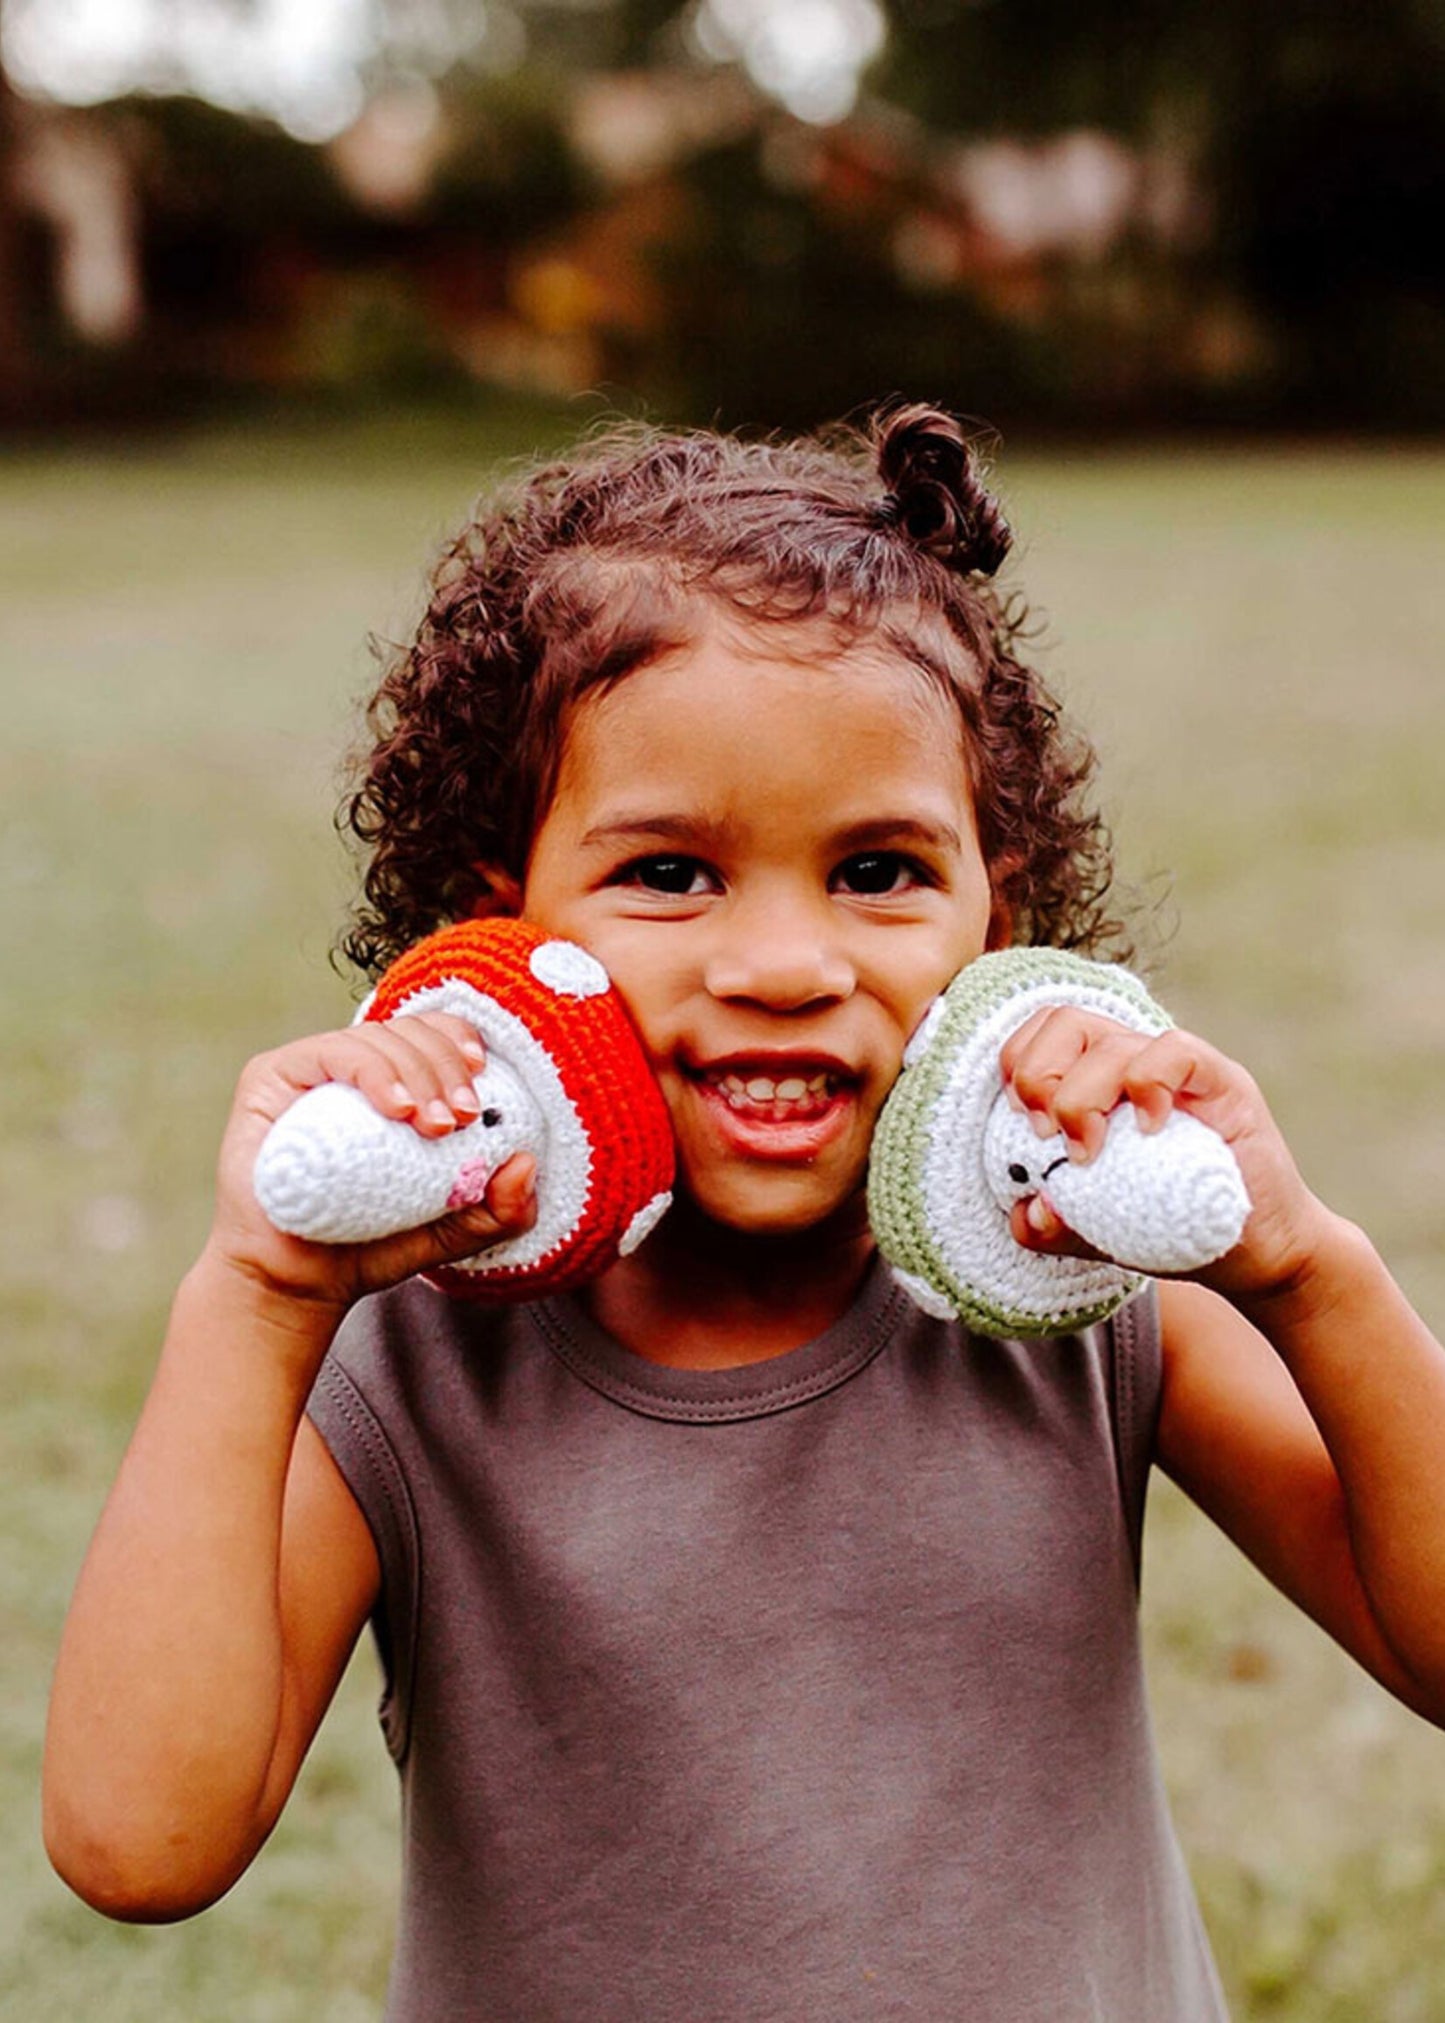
(777, 1205)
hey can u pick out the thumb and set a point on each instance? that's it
(1035, 1224)
(508, 1208)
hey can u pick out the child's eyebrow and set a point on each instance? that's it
(889, 831)
(701, 832)
(694, 830)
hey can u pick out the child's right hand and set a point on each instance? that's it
(417, 1070)
(232, 1568)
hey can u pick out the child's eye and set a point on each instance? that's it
(876, 872)
(678, 877)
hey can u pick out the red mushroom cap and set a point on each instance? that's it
(564, 999)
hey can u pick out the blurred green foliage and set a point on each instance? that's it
(1305, 287)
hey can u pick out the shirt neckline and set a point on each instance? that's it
(751, 1391)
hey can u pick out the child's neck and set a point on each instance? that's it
(701, 1297)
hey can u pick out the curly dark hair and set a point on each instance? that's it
(591, 568)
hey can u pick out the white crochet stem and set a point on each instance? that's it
(334, 1170)
(1164, 1201)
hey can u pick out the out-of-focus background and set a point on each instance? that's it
(758, 211)
(281, 286)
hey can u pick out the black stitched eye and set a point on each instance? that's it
(1018, 1174)
(491, 1118)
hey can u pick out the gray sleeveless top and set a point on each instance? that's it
(806, 1690)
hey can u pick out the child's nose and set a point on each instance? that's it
(783, 958)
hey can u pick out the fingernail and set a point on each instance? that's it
(1036, 1215)
(465, 1098)
(1078, 1152)
(473, 1049)
(402, 1096)
(1042, 1127)
(438, 1112)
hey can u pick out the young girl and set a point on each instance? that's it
(755, 1645)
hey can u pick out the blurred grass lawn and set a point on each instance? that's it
(1255, 638)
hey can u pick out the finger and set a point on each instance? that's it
(508, 1209)
(272, 1082)
(512, 1192)
(1179, 1070)
(414, 1069)
(1046, 1044)
(1090, 1091)
(1019, 1042)
(443, 1056)
(1035, 1224)
(453, 1031)
(1061, 1068)
(409, 1071)
(394, 1075)
(1035, 1059)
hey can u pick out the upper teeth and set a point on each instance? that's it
(763, 1089)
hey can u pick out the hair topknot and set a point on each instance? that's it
(589, 568)
(934, 490)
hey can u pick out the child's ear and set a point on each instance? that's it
(1003, 873)
(1000, 924)
(499, 894)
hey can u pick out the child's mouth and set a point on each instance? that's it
(780, 1098)
(787, 1111)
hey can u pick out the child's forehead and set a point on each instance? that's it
(911, 650)
(738, 682)
(742, 706)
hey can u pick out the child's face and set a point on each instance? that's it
(775, 856)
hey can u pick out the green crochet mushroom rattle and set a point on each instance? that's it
(951, 1156)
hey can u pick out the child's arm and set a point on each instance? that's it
(1304, 1400)
(232, 1570)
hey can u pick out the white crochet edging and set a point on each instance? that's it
(924, 1032)
(925, 1296)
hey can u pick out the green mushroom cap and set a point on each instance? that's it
(936, 1219)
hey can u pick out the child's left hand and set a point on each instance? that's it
(1305, 1409)
(1068, 1069)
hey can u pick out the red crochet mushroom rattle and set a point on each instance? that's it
(565, 1079)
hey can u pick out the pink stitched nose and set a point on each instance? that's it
(470, 1185)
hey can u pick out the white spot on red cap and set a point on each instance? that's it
(643, 1223)
(568, 970)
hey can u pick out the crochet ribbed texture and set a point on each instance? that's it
(565, 1079)
(951, 1156)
